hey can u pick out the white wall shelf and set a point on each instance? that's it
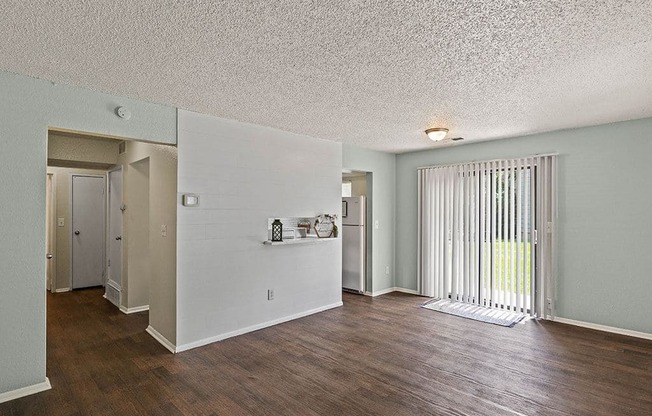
(288, 242)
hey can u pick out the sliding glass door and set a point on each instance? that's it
(506, 247)
(486, 233)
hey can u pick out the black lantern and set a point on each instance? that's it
(277, 230)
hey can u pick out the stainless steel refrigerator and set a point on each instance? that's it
(353, 244)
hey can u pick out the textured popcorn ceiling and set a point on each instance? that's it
(369, 73)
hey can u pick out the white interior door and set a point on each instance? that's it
(114, 275)
(88, 218)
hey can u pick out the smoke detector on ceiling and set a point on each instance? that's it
(123, 113)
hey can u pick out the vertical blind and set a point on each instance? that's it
(486, 233)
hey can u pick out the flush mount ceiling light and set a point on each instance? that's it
(436, 134)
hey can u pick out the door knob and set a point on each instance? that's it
(48, 256)
(119, 237)
(77, 232)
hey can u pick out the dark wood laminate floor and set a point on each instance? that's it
(380, 356)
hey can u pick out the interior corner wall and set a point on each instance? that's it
(603, 227)
(245, 174)
(136, 234)
(29, 107)
(150, 277)
(383, 199)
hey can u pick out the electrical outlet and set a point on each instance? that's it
(270, 294)
(386, 269)
(164, 230)
(376, 224)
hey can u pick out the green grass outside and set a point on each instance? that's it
(503, 271)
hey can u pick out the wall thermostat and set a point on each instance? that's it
(190, 200)
(123, 112)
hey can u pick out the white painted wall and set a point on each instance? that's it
(383, 200)
(244, 174)
(150, 276)
(358, 185)
(136, 250)
(604, 216)
(28, 107)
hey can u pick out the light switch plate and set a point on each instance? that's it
(190, 200)
(60, 222)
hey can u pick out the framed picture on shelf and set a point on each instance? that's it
(325, 226)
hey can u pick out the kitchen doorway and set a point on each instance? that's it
(357, 231)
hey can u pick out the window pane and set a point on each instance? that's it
(346, 189)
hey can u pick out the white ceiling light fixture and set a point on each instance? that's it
(436, 133)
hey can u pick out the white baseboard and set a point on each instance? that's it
(210, 340)
(25, 391)
(135, 309)
(604, 328)
(408, 291)
(113, 284)
(63, 289)
(161, 339)
(382, 292)
(390, 290)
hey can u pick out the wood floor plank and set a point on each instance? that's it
(381, 356)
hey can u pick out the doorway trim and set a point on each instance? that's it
(369, 224)
(51, 227)
(107, 281)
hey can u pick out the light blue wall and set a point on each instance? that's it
(605, 205)
(27, 108)
(383, 169)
